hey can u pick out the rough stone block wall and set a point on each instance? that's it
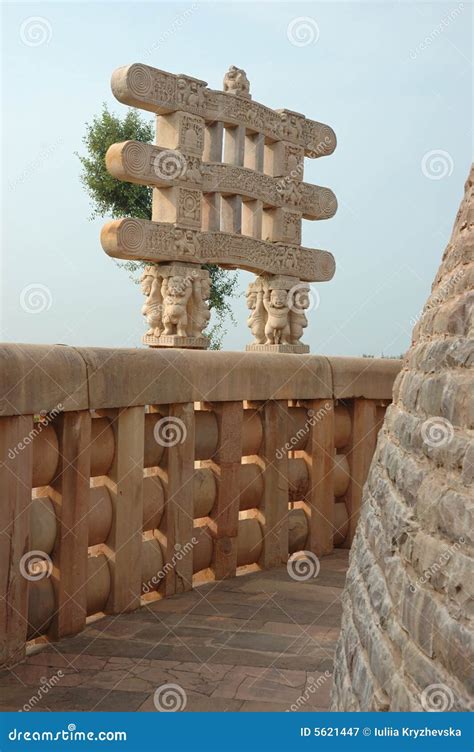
(407, 633)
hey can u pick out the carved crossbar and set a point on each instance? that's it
(160, 241)
(155, 90)
(136, 162)
(228, 190)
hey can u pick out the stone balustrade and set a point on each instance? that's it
(132, 475)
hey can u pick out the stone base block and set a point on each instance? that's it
(172, 340)
(278, 348)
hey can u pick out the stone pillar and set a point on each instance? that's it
(176, 294)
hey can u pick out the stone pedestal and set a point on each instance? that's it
(277, 304)
(176, 305)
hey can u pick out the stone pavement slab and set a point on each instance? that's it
(258, 642)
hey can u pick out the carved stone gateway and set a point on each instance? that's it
(227, 180)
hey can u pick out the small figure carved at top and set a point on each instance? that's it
(236, 82)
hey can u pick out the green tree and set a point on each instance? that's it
(115, 198)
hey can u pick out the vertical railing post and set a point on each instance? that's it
(273, 459)
(70, 495)
(124, 544)
(319, 457)
(226, 465)
(16, 473)
(178, 522)
(360, 452)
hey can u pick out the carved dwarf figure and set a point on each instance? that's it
(153, 306)
(298, 303)
(236, 82)
(176, 293)
(200, 313)
(277, 328)
(256, 319)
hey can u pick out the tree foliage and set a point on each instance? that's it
(115, 198)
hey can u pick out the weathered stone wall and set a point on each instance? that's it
(407, 637)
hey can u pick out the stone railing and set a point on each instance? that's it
(131, 475)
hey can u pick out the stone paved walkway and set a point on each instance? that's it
(259, 642)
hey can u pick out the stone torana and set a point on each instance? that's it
(228, 189)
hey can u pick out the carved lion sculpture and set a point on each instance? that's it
(236, 82)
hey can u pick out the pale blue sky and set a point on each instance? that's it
(394, 80)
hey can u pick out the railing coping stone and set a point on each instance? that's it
(42, 377)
